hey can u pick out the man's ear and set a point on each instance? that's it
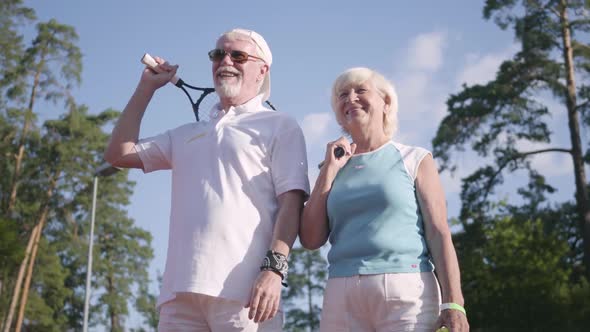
(263, 71)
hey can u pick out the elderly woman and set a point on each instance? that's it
(382, 207)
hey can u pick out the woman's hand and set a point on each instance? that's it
(331, 160)
(453, 320)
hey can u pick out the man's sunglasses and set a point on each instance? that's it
(240, 57)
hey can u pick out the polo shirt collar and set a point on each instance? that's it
(252, 105)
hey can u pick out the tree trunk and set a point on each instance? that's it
(574, 128)
(19, 280)
(114, 317)
(40, 225)
(26, 287)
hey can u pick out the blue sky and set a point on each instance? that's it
(427, 49)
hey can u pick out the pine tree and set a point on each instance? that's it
(13, 15)
(123, 256)
(494, 119)
(46, 191)
(146, 306)
(306, 280)
(48, 67)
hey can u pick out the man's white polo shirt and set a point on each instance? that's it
(226, 176)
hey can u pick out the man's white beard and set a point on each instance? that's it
(228, 90)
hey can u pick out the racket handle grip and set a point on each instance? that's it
(338, 153)
(147, 60)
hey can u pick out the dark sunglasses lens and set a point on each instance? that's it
(239, 56)
(216, 54)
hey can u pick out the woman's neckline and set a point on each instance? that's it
(372, 151)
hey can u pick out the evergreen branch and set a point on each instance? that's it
(582, 106)
(514, 157)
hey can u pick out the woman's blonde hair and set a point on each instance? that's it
(359, 75)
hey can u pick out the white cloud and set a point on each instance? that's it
(548, 163)
(553, 164)
(413, 86)
(421, 97)
(480, 69)
(425, 51)
(421, 107)
(316, 125)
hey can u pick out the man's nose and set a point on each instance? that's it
(226, 59)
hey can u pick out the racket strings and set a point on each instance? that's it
(196, 104)
(202, 107)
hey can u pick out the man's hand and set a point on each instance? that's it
(265, 297)
(155, 77)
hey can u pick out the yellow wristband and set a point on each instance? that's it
(453, 306)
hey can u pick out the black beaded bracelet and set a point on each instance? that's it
(276, 262)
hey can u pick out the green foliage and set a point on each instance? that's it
(307, 280)
(48, 294)
(11, 249)
(522, 263)
(13, 15)
(145, 304)
(49, 67)
(122, 256)
(516, 277)
(11, 254)
(495, 118)
(55, 179)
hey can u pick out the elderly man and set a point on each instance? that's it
(238, 186)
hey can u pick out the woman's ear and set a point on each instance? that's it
(387, 104)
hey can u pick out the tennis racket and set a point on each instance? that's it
(149, 61)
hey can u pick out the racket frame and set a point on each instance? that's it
(150, 62)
